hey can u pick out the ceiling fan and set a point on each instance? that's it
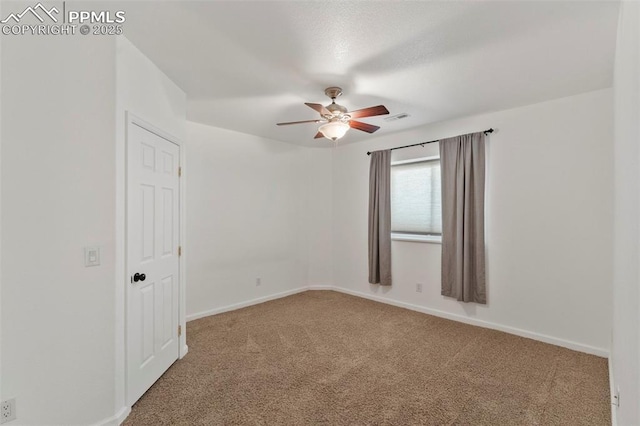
(337, 120)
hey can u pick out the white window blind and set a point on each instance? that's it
(416, 206)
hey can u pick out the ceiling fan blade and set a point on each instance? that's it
(318, 107)
(298, 122)
(318, 135)
(369, 112)
(369, 128)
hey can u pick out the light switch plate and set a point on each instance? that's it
(91, 256)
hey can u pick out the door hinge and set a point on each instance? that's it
(180, 171)
(179, 250)
(179, 330)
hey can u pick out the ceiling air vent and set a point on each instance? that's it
(397, 117)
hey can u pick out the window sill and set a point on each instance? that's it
(433, 239)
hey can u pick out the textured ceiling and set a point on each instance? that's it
(247, 65)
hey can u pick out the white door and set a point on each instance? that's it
(152, 255)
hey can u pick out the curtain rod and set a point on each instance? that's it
(424, 143)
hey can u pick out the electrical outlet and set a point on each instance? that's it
(258, 281)
(8, 410)
(419, 288)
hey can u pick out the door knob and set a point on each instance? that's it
(138, 277)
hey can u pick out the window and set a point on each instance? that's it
(416, 206)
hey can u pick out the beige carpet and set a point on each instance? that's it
(326, 358)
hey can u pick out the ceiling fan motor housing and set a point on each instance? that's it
(336, 110)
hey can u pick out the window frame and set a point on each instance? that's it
(412, 237)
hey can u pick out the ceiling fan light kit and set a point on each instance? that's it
(337, 120)
(334, 130)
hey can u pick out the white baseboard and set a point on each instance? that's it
(322, 287)
(115, 420)
(121, 416)
(240, 305)
(480, 323)
(612, 391)
(601, 352)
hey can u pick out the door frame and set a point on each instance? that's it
(122, 267)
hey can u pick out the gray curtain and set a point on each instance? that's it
(380, 218)
(462, 161)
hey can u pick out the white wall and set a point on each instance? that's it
(318, 213)
(62, 180)
(1, 80)
(58, 190)
(142, 89)
(626, 279)
(549, 222)
(249, 203)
